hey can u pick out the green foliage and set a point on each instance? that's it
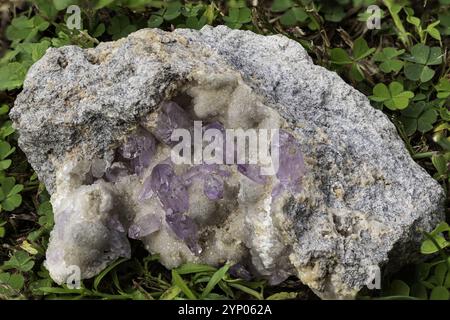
(436, 240)
(45, 221)
(20, 261)
(423, 32)
(2, 228)
(431, 280)
(443, 88)
(393, 97)
(420, 60)
(419, 116)
(10, 284)
(291, 13)
(398, 288)
(361, 50)
(10, 197)
(120, 27)
(24, 29)
(388, 58)
(237, 17)
(190, 15)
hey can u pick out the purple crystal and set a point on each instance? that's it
(239, 271)
(113, 223)
(227, 153)
(213, 187)
(253, 172)
(169, 188)
(139, 150)
(291, 166)
(215, 125)
(98, 168)
(184, 228)
(203, 170)
(147, 190)
(116, 171)
(210, 174)
(278, 277)
(144, 226)
(276, 191)
(172, 117)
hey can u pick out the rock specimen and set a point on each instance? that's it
(96, 125)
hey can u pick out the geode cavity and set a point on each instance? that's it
(95, 125)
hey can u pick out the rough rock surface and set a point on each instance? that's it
(363, 198)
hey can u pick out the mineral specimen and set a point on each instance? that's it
(171, 117)
(144, 226)
(138, 150)
(96, 125)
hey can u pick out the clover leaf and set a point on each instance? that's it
(388, 60)
(393, 97)
(46, 221)
(196, 23)
(281, 5)
(173, 10)
(103, 3)
(46, 9)
(32, 52)
(23, 28)
(433, 31)
(429, 245)
(440, 162)
(9, 193)
(120, 27)
(45, 211)
(439, 293)
(421, 57)
(12, 76)
(10, 284)
(399, 288)
(443, 88)
(340, 56)
(292, 14)
(430, 29)
(333, 13)
(155, 21)
(63, 4)
(361, 50)
(20, 261)
(237, 17)
(5, 151)
(190, 10)
(419, 116)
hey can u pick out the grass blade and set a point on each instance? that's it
(215, 280)
(102, 274)
(178, 281)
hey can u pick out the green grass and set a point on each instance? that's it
(403, 68)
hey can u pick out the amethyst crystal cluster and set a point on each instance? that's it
(171, 189)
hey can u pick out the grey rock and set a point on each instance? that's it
(364, 199)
